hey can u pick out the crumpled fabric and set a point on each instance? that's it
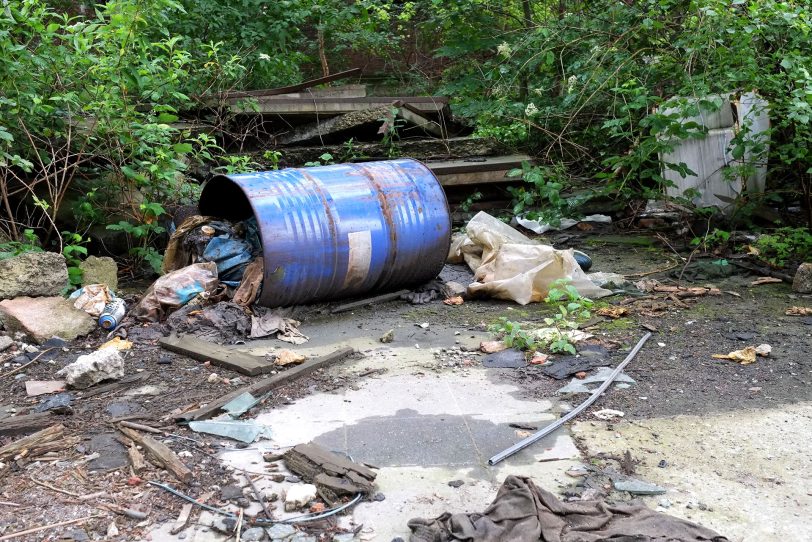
(251, 285)
(266, 322)
(175, 289)
(523, 512)
(231, 246)
(221, 322)
(92, 298)
(177, 255)
(509, 265)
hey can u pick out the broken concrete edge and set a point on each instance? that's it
(267, 384)
(41, 318)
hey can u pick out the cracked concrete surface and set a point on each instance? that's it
(423, 424)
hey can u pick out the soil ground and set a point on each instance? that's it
(675, 376)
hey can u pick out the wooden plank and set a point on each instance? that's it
(127, 381)
(344, 91)
(369, 301)
(337, 106)
(411, 114)
(474, 165)
(479, 177)
(183, 519)
(136, 459)
(267, 384)
(160, 454)
(292, 88)
(28, 423)
(217, 355)
(31, 443)
(334, 475)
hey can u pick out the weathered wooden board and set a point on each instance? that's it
(334, 475)
(337, 106)
(218, 355)
(28, 423)
(267, 384)
(159, 453)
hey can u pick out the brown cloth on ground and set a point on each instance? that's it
(523, 512)
(251, 284)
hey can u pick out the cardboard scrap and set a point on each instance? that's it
(41, 387)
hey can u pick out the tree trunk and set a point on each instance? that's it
(325, 68)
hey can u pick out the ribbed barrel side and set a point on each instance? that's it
(339, 231)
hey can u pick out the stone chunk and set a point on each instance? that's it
(104, 364)
(298, 496)
(281, 531)
(254, 534)
(803, 279)
(637, 487)
(41, 318)
(102, 270)
(33, 274)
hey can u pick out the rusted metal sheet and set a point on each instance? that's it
(339, 231)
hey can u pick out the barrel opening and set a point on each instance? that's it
(222, 197)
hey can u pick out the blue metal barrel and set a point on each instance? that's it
(339, 231)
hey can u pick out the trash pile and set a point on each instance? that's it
(213, 276)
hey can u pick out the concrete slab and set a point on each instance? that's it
(744, 474)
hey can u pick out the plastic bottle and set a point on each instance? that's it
(113, 313)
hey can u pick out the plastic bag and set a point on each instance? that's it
(92, 298)
(175, 289)
(509, 265)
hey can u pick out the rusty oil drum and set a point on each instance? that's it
(339, 231)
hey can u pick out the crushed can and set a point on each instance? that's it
(113, 314)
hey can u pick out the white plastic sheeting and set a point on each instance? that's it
(509, 265)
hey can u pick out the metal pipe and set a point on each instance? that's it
(521, 445)
(297, 519)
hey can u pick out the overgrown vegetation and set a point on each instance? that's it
(570, 308)
(91, 97)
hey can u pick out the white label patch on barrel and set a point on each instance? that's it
(360, 243)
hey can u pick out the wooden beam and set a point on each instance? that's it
(411, 114)
(337, 106)
(28, 445)
(159, 453)
(292, 88)
(479, 164)
(28, 423)
(217, 355)
(267, 384)
(344, 91)
(481, 177)
(383, 298)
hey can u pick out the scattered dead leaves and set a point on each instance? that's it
(612, 312)
(746, 355)
(799, 311)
